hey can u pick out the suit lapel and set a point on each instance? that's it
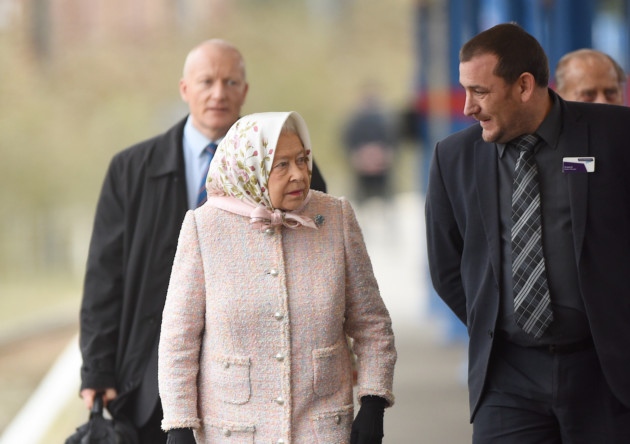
(574, 143)
(487, 185)
(168, 155)
(166, 169)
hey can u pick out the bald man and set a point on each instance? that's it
(588, 75)
(145, 195)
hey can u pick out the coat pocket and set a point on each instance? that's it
(333, 426)
(231, 378)
(228, 432)
(327, 368)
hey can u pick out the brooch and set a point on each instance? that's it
(319, 220)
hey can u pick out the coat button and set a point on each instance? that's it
(279, 357)
(270, 231)
(279, 316)
(226, 433)
(279, 400)
(280, 441)
(226, 365)
(272, 272)
(337, 419)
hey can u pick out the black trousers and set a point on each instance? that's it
(539, 397)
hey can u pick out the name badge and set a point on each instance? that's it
(578, 165)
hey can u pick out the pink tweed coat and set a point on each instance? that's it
(253, 344)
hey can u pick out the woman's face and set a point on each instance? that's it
(289, 179)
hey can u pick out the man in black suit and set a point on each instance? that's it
(563, 377)
(147, 190)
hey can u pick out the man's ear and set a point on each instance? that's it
(526, 85)
(183, 87)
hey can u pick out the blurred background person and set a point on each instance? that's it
(269, 278)
(370, 140)
(588, 75)
(147, 190)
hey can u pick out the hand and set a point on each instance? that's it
(180, 436)
(367, 427)
(89, 394)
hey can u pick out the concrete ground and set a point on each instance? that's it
(431, 397)
(431, 404)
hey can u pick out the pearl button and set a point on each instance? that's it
(269, 231)
(226, 433)
(226, 365)
(272, 272)
(279, 400)
(337, 419)
(279, 316)
(280, 357)
(280, 441)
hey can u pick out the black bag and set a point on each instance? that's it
(100, 430)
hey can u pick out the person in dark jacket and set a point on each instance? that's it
(370, 141)
(145, 195)
(528, 235)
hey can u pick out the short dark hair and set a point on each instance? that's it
(516, 50)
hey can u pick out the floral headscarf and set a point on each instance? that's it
(242, 163)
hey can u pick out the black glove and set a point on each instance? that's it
(367, 427)
(180, 436)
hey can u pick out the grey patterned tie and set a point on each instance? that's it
(532, 303)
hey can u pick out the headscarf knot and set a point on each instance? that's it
(263, 218)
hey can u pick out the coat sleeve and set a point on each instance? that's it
(183, 323)
(367, 320)
(444, 242)
(103, 286)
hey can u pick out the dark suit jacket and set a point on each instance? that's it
(138, 218)
(464, 242)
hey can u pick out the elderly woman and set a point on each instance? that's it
(269, 280)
